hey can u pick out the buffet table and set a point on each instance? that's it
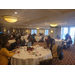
(26, 58)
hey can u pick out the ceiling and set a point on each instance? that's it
(38, 17)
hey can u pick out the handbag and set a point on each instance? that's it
(61, 56)
(60, 52)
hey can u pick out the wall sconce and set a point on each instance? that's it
(4, 29)
(26, 30)
(51, 31)
(13, 30)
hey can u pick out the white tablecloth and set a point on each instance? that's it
(24, 58)
(11, 41)
(58, 42)
(25, 37)
(37, 38)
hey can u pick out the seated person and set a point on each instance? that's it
(70, 39)
(53, 48)
(28, 36)
(22, 41)
(48, 40)
(11, 37)
(42, 39)
(1, 44)
(14, 36)
(67, 41)
(4, 53)
(16, 44)
(58, 37)
(31, 39)
(34, 34)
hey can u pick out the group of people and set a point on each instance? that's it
(31, 38)
(6, 49)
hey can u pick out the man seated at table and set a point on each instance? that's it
(16, 44)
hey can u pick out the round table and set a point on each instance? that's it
(37, 38)
(25, 58)
(25, 37)
(11, 41)
(58, 42)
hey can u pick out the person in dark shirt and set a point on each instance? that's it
(14, 35)
(16, 44)
(58, 37)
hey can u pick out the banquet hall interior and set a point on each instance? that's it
(37, 36)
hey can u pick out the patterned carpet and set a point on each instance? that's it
(69, 57)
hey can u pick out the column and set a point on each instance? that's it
(11, 30)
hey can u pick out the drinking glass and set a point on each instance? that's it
(18, 52)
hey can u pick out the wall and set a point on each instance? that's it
(52, 34)
(55, 32)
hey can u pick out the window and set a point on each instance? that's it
(46, 32)
(8, 31)
(64, 31)
(72, 30)
(33, 31)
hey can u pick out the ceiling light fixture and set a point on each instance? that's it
(53, 25)
(15, 12)
(10, 19)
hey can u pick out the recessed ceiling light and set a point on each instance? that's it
(28, 19)
(15, 12)
(65, 22)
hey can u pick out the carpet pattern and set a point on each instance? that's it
(69, 57)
